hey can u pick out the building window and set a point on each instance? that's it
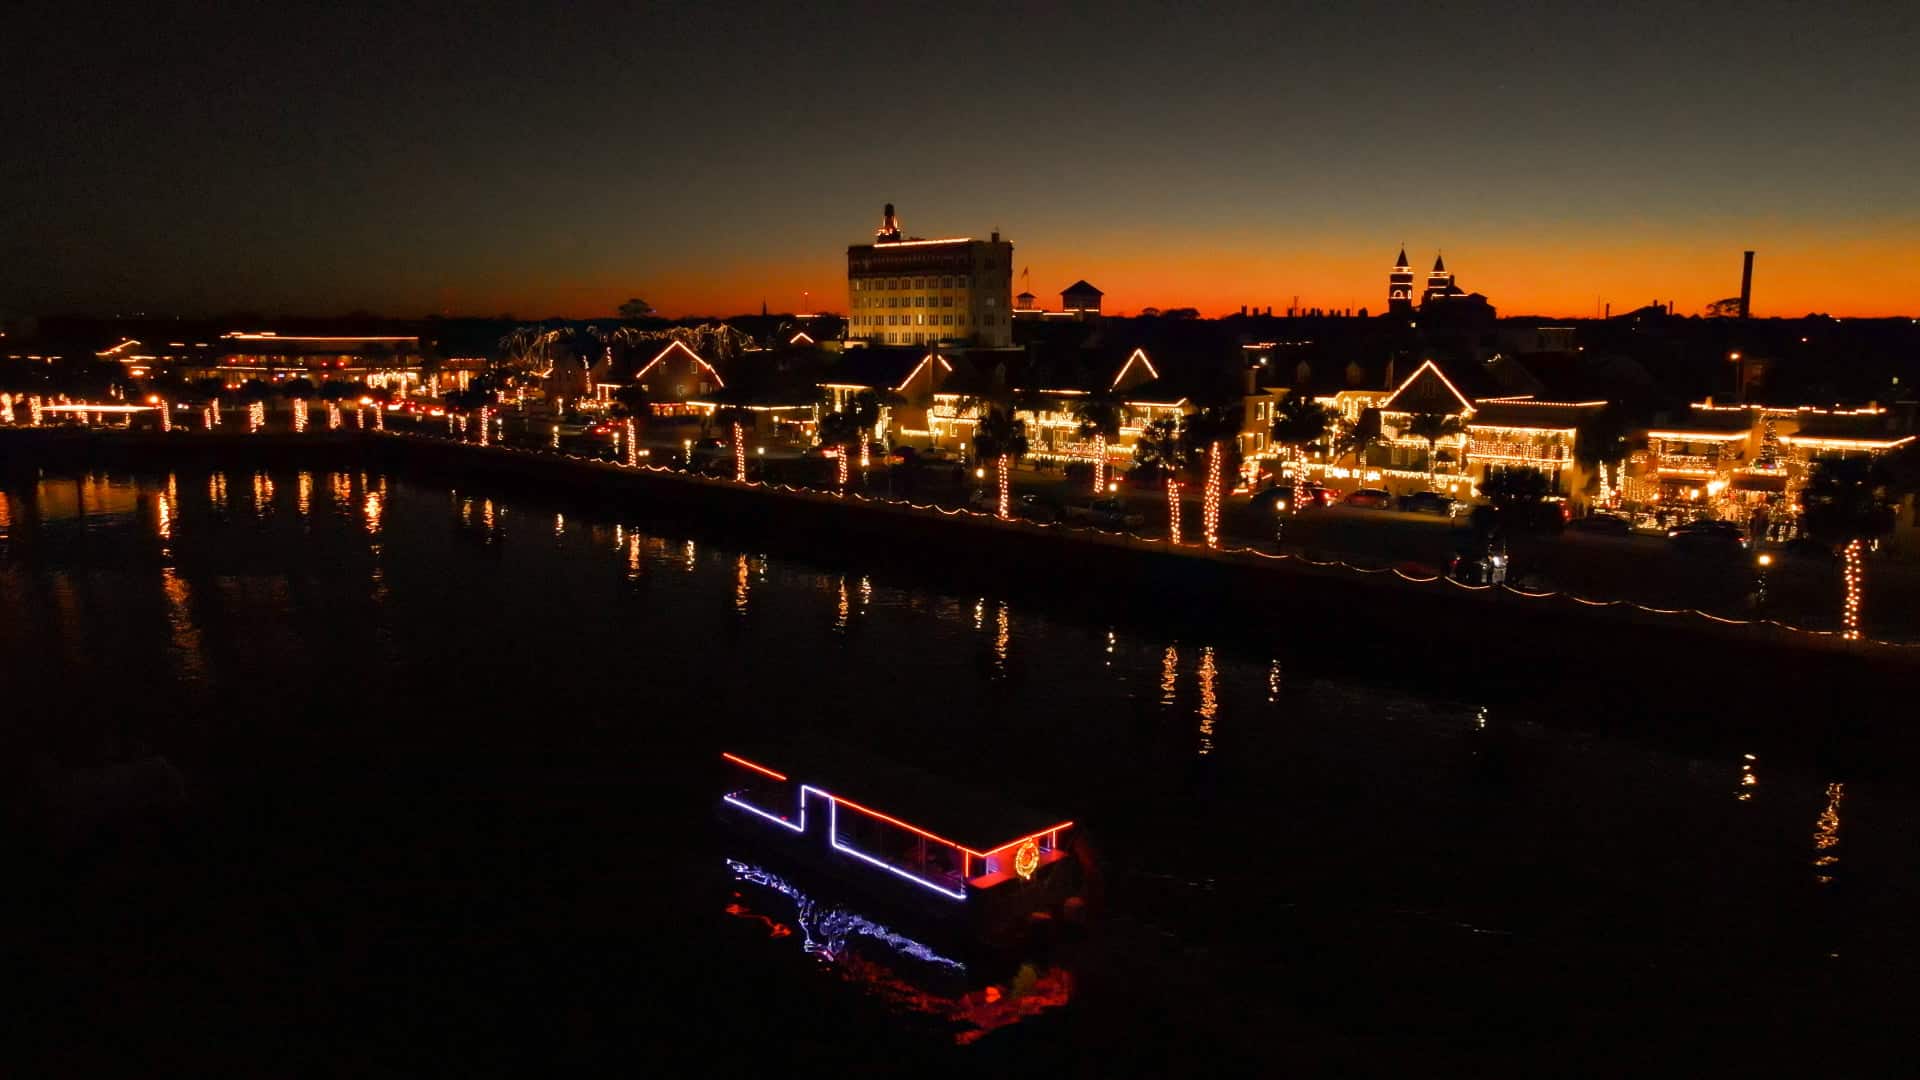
(946, 320)
(917, 282)
(946, 282)
(991, 301)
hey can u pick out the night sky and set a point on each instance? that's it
(557, 158)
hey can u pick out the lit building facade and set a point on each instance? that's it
(909, 291)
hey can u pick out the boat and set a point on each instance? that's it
(932, 850)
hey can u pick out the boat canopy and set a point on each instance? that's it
(974, 821)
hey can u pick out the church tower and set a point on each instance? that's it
(1439, 282)
(1400, 284)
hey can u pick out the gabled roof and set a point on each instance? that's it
(1080, 286)
(1428, 390)
(680, 346)
(873, 368)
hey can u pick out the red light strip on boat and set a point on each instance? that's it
(891, 820)
(761, 769)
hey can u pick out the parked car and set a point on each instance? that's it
(1708, 536)
(1105, 514)
(1312, 494)
(1370, 499)
(1603, 523)
(1430, 502)
(1036, 508)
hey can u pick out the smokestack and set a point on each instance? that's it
(1746, 286)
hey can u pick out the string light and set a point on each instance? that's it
(1210, 504)
(483, 425)
(1850, 614)
(1209, 701)
(206, 417)
(360, 417)
(1173, 510)
(35, 415)
(740, 454)
(553, 439)
(213, 414)
(632, 445)
(256, 416)
(379, 418)
(333, 416)
(6, 408)
(1826, 834)
(843, 460)
(1099, 462)
(166, 417)
(299, 415)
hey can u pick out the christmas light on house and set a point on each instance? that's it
(35, 415)
(841, 466)
(6, 408)
(379, 418)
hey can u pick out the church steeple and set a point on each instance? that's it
(1400, 284)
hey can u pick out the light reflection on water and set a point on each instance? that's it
(1438, 787)
(904, 973)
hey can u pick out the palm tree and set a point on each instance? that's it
(1845, 503)
(1600, 440)
(1298, 422)
(740, 419)
(864, 409)
(1357, 437)
(1432, 427)
(838, 428)
(1202, 432)
(1000, 436)
(1099, 415)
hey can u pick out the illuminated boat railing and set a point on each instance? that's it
(935, 863)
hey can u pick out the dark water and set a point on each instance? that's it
(446, 758)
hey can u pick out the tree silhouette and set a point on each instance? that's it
(1432, 427)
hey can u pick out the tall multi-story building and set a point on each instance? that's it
(908, 291)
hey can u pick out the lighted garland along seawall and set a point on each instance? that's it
(1484, 645)
(1378, 622)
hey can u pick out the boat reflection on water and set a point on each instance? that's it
(901, 972)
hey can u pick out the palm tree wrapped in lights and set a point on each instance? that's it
(1203, 432)
(1600, 441)
(1432, 428)
(863, 409)
(737, 418)
(1297, 423)
(1845, 503)
(1002, 437)
(1157, 452)
(837, 429)
(1099, 415)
